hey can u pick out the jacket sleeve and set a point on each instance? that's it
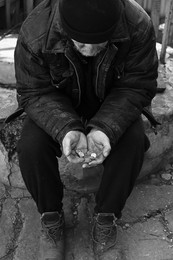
(134, 89)
(47, 106)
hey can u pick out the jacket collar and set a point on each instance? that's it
(57, 41)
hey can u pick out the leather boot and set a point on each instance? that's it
(52, 236)
(104, 232)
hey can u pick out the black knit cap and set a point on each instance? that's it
(90, 21)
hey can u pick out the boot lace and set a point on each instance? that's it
(54, 233)
(102, 232)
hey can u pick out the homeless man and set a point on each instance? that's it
(85, 71)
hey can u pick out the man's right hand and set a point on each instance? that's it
(74, 141)
(98, 146)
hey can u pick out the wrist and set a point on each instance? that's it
(94, 130)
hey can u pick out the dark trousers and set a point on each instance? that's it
(38, 162)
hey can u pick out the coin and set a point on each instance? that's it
(93, 155)
(80, 153)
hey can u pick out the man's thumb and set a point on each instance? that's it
(66, 148)
(106, 150)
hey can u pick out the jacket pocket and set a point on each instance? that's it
(14, 115)
(60, 79)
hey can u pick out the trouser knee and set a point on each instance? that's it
(35, 142)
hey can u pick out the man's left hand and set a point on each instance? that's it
(98, 148)
(74, 146)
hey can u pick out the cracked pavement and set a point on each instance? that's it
(145, 230)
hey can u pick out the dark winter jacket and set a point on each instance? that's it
(50, 77)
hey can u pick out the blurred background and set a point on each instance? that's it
(14, 12)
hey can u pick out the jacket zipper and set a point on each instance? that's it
(118, 73)
(98, 73)
(77, 79)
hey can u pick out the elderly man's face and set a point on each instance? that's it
(89, 49)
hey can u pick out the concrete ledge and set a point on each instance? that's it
(74, 178)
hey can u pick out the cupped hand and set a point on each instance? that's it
(98, 148)
(74, 146)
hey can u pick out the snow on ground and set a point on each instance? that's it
(169, 50)
(7, 46)
(167, 68)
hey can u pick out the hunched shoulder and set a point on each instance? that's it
(34, 28)
(136, 17)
